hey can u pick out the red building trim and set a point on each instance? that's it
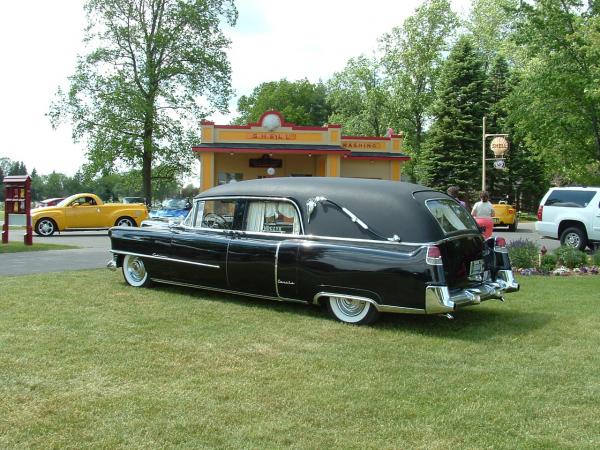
(379, 158)
(365, 138)
(270, 150)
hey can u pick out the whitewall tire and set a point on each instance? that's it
(134, 271)
(358, 312)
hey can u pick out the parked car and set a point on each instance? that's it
(505, 214)
(172, 208)
(360, 247)
(85, 212)
(50, 202)
(128, 200)
(571, 214)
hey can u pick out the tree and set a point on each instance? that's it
(413, 57)
(300, 102)
(523, 179)
(132, 98)
(452, 152)
(556, 106)
(491, 25)
(358, 99)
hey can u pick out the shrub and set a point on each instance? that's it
(596, 258)
(548, 262)
(523, 253)
(570, 257)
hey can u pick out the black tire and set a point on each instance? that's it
(45, 227)
(356, 312)
(134, 272)
(513, 226)
(574, 237)
(125, 222)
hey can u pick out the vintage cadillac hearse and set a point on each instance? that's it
(360, 247)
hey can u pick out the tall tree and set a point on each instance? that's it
(491, 25)
(300, 102)
(556, 106)
(412, 58)
(134, 95)
(358, 98)
(452, 152)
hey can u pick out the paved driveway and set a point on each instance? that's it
(92, 254)
(95, 245)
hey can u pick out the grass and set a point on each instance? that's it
(87, 362)
(15, 246)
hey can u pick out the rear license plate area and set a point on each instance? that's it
(476, 267)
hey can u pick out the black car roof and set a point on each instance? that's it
(387, 207)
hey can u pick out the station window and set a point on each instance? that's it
(228, 177)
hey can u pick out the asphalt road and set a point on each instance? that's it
(92, 254)
(95, 245)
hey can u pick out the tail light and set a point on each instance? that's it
(511, 211)
(539, 213)
(500, 245)
(434, 256)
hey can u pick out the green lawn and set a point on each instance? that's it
(15, 246)
(87, 362)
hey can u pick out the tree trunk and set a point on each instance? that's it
(147, 160)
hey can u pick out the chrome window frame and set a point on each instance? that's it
(451, 233)
(249, 197)
(311, 237)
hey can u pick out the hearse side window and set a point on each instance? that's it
(215, 214)
(570, 199)
(272, 217)
(451, 216)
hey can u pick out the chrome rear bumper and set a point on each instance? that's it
(439, 299)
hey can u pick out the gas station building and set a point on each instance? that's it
(272, 147)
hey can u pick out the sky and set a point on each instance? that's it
(273, 39)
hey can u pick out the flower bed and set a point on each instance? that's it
(528, 258)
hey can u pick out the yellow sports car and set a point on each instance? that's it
(505, 214)
(86, 212)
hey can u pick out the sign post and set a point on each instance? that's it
(17, 201)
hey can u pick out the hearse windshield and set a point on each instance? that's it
(451, 216)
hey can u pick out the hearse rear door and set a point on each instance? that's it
(261, 260)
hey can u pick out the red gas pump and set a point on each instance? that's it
(17, 200)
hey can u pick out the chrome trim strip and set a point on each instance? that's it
(226, 291)
(381, 308)
(276, 263)
(165, 258)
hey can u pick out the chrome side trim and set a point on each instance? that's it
(165, 258)
(380, 308)
(227, 291)
(276, 274)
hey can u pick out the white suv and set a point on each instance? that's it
(571, 214)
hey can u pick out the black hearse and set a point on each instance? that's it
(360, 247)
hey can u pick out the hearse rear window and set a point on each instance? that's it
(451, 216)
(272, 217)
(570, 199)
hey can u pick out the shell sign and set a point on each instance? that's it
(499, 146)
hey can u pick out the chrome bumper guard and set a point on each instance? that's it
(112, 263)
(438, 299)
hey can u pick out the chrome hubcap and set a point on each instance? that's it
(136, 270)
(350, 308)
(124, 223)
(572, 240)
(46, 227)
